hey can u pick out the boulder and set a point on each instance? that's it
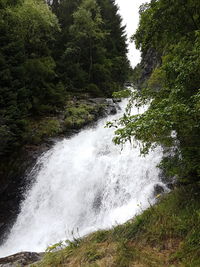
(158, 189)
(20, 259)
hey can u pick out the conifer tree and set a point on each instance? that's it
(27, 69)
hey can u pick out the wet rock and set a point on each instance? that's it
(117, 100)
(111, 110)
(20, 259)
(109, 105)
(112, 107)
(97, 202)
(158, 189)
(14, 181)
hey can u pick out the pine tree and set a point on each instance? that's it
(27, 73)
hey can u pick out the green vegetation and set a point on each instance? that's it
(51, 51)
(75, 115)
(170, 84)
(90, 50)
(167, 234)
(73, 47)
(79, 116)
(39, 130)
(27, 83)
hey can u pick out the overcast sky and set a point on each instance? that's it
(129, 12)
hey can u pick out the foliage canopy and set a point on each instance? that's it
(50, 51)
(173, 90)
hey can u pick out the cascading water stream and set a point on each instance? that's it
(85, 183)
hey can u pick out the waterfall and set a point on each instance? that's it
(83, 184)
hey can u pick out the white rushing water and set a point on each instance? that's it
(84, 183)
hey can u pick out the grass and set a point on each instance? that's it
(79, 115)
(167, 234)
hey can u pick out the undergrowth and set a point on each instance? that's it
(167, 234)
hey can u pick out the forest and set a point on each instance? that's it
(58, 50)
(53, 50)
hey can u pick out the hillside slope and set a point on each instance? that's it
(167, 234)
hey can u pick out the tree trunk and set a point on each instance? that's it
(91, 62)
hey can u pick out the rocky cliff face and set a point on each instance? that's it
(150, 60)
(13, 183)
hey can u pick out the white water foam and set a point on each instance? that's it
(85, 183)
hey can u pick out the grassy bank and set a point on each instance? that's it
(167, 234)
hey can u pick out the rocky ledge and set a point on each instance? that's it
(21, 259)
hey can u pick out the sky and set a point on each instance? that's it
(128, 10)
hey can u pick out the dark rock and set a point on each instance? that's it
(14, 181)
(111, 109)
(117, 100)
(171, 186)
(158, 189)
(150, 60)
(20, 259)
(106, 106)
(97, 202)
(98, 101)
